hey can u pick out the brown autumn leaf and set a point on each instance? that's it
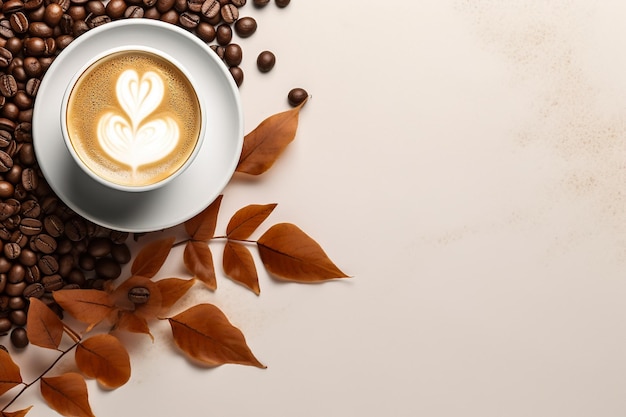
(151, 257)
(204, 334)
(239, 265)
(172, 289)
(132, 323)
(246, 220)
(18, 413)
(263, 146)
(104, 358)
(289, 253)
(87, 306)
(43, 326)
(9, 372)
(199, 262)
(202, 226)
(67, 394)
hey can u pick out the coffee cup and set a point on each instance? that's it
(132, 118)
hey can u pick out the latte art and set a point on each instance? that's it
(136, 139)
(133, 118)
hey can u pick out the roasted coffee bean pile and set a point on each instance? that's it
(44, 245)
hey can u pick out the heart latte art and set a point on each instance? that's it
(133, 118)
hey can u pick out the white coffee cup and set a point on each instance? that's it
(132, 118)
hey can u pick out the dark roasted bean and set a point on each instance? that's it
(107, 268)
(19, 338)
(31, 227)
(265, 61)
(188, 20)
(229, 13)
(6, 162)
(45, 243)
(139, 295)
(233, 55)
(121, 253)
(48, 265)
(19, 22)
(116, 8)
(35, 290)
(296, 96)
(237, 74)
(5, 57)
(210, 9)
(53, 282)
(282, 3)
(245, 26)
(12, 250)
(31, 208)
(134, 12)
(6, 190)
(260, 3)
(16, 273)
(224, 34)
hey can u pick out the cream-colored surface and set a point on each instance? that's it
(465, 161)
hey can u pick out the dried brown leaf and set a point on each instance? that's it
(133, 323)
(263, 146)
(172, 289)
(289, 253)
(239, 266)
(151, 257)
(18, 413)
(204, 334)
(246, 220)
(148, 310)
(202, 226)
(199, 262)
(9, 372)
(104, 358)
(44, 327)
(87, 306)
(67, 394)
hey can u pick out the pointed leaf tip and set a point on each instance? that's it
(67, 394)
(151, 257)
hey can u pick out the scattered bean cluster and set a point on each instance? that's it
(44, 245)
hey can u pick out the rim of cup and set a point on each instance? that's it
(78, 160)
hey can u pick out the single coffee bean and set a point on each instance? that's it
(12, 6)
(265, 61)
(31, 227)
(6, 162)
(95, 21)
(48, 265)
(237, 74)
(63, 42)
(16, 273)
(77, 12)
(233, 54)
(18, 317)
(229, 13)
(79, 27)
(19, 338)
(195, 5)
(30, 180)
(8, 85)
(115, 8)
(14, 45)
(282, 3)
(53, 14)
(31, 208)
(224, 34)
(87, 262)
(205, 31)
(66, 264)
(30, 5)
(5, 57)
(76, 276)
(121, 253)
(40, 29)
(6, 31)
(152, 13)
(107, 268)
(19, 22)
(296, 96)
(210, 9)
(5, 325)
(35, 290)
(17, 302)
(26, 154)
(65, 4)
(23, 131)
(36, 15)
(180, 5)
(14, 290)
(53, 225)
(134, 12)
(188, 20)
(45, 243)
(96, 7)
(33, 274)
(75, 229)
(219, 50)
(164, 5)
(139, 295)
(52, 282)
(238, 3)
(22, 100)
(171, 16)
(245, 26)
(261, 3)
(12, 250)
(32, 66)
(5, 138)
(6, 190)
(6, 209)
(99, 247)
(19, 238)
(5, 265)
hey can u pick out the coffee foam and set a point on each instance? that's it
(124, 99)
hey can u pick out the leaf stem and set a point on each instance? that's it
(48, 369)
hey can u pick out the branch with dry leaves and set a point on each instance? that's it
(202, 332)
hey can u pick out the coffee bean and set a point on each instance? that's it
(6, 162)
(219, 50)
(265, 61)
(148, 4)
(261, 3)
(195, 5)
(99, 247)
(171, 16)
(32, 66)
(22, 100)
(229, 13)
(63, 42)
(17, 303)
(30, 5)
(282, 3)
(14, 290)
(53, 13)
(53, 225)
(139, 295)
(65, 4)
(75, 229)
(205, 31)
(48, 265)
(14, 45)
(95, 21)
(5, 265)
(152, 13)
(245, 26)
(12, 6)
(45, 243)
(96, 7)
(5, 138)
(188, 20)
(40, 29)
(77, 12)
(18, 317)
(52, 282)
(210, 9)
(5, 29)
(37, 14)
(180, 5)
(296, 96)
(115, 8)
(233, 55)
(12, 250)
(23, 131)
(237, 74)
(134, 12)
(6, 190)
(107, 268)
(32, 274)
(5, 57)
(238, 3)
(20, 238)
(19, 338)
(5, 325)
(79, 27)
(35, 290)
(87, 262)
(8, 85)
(26, 154)
(31, 227)
(34, 46)
(164, 5)
(31, 208)
(76, 276)
(16, 274)
(224, 34)
(121, 253)
(19, 22)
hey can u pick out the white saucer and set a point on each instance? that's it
(186, 195)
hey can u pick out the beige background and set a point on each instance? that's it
(464, 161)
